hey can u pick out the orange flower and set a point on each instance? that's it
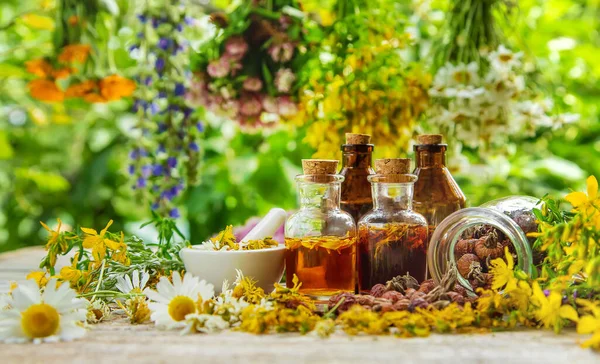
(93, 98)
(73, 20)
(81, 89)
(39, 67)
(61, 73)
(74, 53)
(115, 87)
(45, 90)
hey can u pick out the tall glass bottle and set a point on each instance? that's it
(437, 195)
(320, 238)
(357, 154)
(392, 237)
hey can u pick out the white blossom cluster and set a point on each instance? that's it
(480, 110)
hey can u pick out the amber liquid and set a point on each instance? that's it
(389, 251)
(323, 272)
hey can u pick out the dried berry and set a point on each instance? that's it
(393, 296)
(464, 246)
(402, 283)
(349, 300)
(489, 247)
(464, 264)
(402, 305)
(409, 292)
(378, 290)
(418, 303)
(460, 289)
(456, 297)
(365, 300)
(427, 286)
(417, 294)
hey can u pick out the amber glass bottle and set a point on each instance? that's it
(436, 193)
(356, 198)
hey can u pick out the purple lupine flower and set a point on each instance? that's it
(155, 206)
(164, 43)
(154, 109)
(162, 127)
(174, 213)
(179, 89)
(141, 182)
(171, 162)
(155, 23)
(188, 20)
(142, 18)
(161, 149)
(146, 170)
(179, 27)
(157, 170)
(131, 169)
(159, 64)
(187, 112)
(148, 81)
(133, 47)
(162, 94)
(134, 154)
(200, 126)
(194, 146)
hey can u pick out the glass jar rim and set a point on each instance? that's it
(320, 178)
(440, 255)
(393, 178)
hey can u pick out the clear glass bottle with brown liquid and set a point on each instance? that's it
(436, 193)
(357, 153)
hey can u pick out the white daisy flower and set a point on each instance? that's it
(504, 60)
(134, 283)
(4, 301)
(204, 323)
(172, 302)
(54, 315)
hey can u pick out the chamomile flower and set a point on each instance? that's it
(172, 302)
(4, 301)
(504, 60)
(54, 315)
(204, 323)
(135, 283)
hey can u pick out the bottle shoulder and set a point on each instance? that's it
(393, 217)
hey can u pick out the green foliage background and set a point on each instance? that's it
(71, 163)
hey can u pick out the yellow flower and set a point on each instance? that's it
(503, 271)
(225, 238)
(359, 319)
(519, 296)
(115, 87)
(121, 255)
(38, 21)
(57, 243)
(590, 324)
(39, 277)
(74, 53)
(581, 200)
(98, 242)
(45, 90)
(246, 287)
(550, 311)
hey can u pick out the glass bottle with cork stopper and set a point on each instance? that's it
(357, 154)
(437, 195)
(320, 238)
(392, 237)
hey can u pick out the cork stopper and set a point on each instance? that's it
(430, 139)
(319, 166)
(392, 166)
(357, 138)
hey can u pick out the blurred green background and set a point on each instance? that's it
(70, 161)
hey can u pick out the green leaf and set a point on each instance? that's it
(6, 150)
(8, 70)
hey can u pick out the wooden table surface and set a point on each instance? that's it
(118, 342)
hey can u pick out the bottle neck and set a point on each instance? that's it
(357, 155)
(392, 196)
(321, 196)
(430, 156)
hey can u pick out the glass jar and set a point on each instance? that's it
(437, 195)
(357, 155)
(321, 239)
(392, 237)
(478, 235)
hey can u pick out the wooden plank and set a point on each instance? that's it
(117, 341)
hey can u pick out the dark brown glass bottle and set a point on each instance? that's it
(357, 153)
(436, 193)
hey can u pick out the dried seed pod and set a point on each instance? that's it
(349, 300)
(456, 297)
(440, 304)
(427, 286)
(418, 294)
(490, 246)
(464, 264)
(402, 304)
(465, 246)
(378, 290)
(460, 289)
(393, 296)
(402, 283)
